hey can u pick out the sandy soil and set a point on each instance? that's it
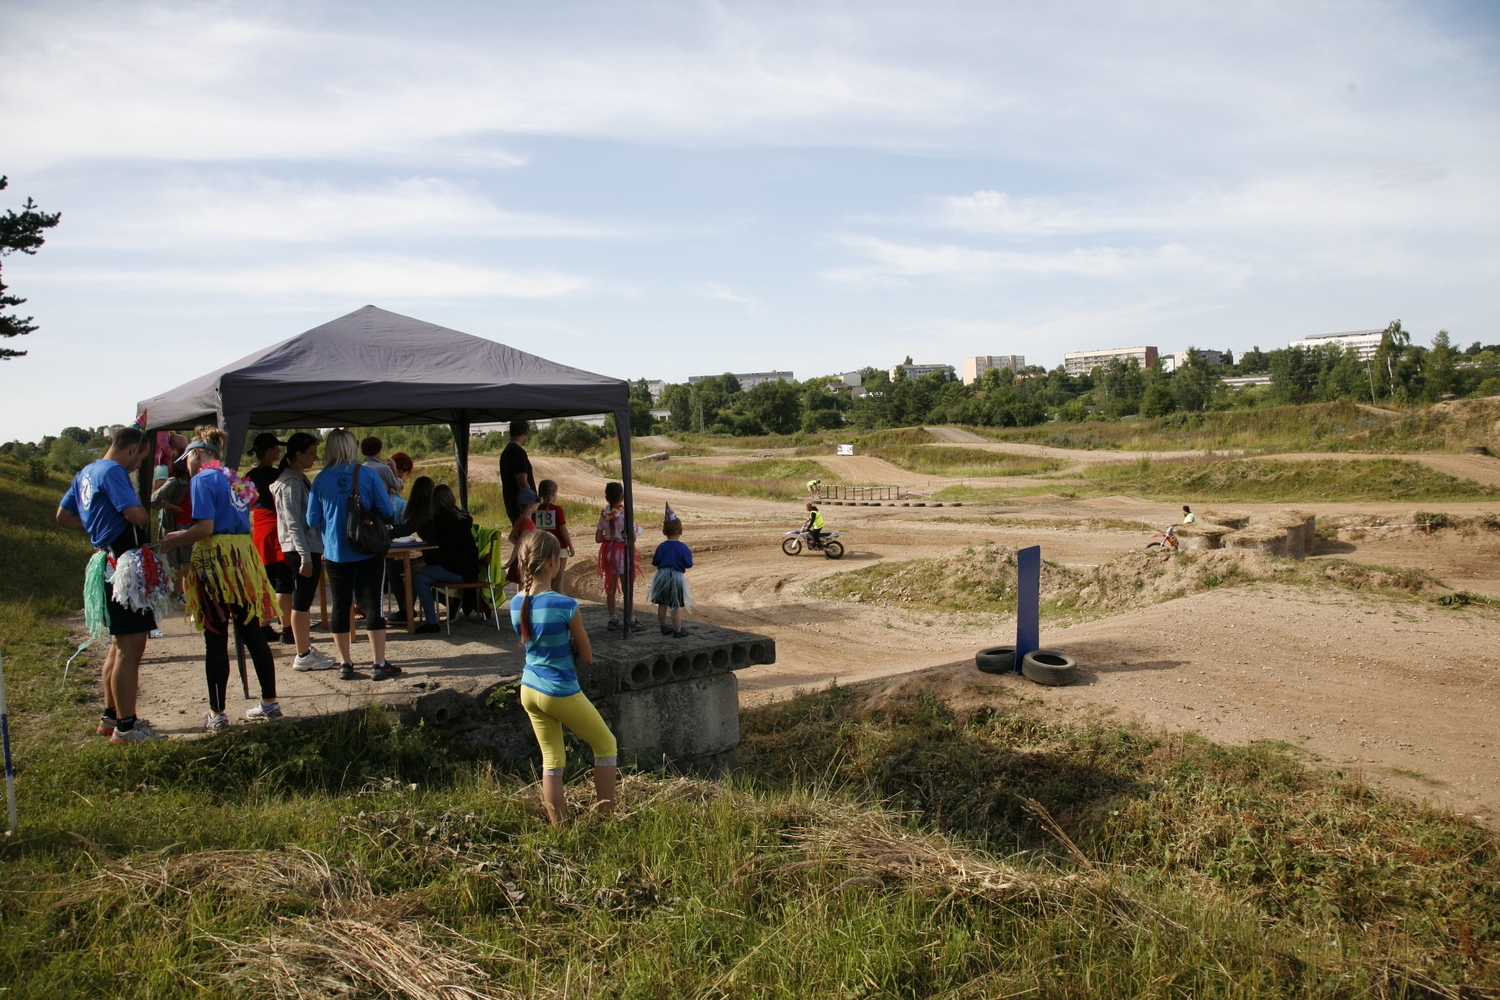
(1406, 692)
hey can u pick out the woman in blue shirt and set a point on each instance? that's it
(552, 631)
(351, 574)
(225, 580)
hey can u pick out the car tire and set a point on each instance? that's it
(996, 660)
(791, 546)
(1048, 666)
(833, 550)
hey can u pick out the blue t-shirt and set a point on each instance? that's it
(549, 653)
(328, 508)
(214, 498)
(672, 554)
(100, 494)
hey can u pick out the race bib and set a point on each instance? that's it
(545, 520)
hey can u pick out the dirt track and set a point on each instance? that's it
(1407, 693)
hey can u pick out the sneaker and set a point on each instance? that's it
(666, 630)
(179, 600)
(106, 725)
(266, 711)
(680, 634)
(215, 721)
(384, 672)
(346, 672)
(157, 633)
(141, 733)
(427, 628)
(636, 626)
(613, 623)
(312, 660)
(287, 639)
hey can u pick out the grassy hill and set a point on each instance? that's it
(880, 842)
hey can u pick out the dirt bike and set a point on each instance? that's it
(1164, 540)
(796, 541)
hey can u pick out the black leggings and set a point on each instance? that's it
(216, 652)
(363, 581)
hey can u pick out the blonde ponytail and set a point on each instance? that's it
(538, 548)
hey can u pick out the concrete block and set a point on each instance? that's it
(1201, 537)
(680, 722)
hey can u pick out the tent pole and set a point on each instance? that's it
(622, 434)
(460, 429)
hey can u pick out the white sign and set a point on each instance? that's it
(846, 449)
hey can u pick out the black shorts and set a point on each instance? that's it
(302, 588)
(123, 621)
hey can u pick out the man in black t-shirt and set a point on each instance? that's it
(515, 468)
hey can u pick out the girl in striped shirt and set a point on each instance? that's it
(552, 631)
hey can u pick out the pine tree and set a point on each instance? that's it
(23, 232)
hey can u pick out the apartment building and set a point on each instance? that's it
(975, 367)
(1363, 342)
(1083, 362)
(749, 380)
(921, 371)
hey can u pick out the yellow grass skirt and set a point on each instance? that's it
(226, 569)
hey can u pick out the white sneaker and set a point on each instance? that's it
(215, 721)
(141, 733)
(313, 660)
(266, 710)
(157, 633)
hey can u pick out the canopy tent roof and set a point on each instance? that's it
(375, 367)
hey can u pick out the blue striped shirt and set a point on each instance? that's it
(549, 652)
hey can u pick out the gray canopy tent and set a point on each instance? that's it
(374, 367)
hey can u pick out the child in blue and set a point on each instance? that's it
(552, 631)
(669, 587)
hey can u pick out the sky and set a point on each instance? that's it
(657, 190)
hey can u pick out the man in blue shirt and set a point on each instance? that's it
(103, 502)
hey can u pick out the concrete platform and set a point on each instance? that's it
(667, 699)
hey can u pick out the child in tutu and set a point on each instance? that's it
(613, 558)
(669, 588)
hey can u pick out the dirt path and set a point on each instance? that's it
(954, 435)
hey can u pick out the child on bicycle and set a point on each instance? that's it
(556, 645)
(669, 587)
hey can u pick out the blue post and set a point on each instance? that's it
(1028, 602)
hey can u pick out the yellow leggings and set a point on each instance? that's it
(550, 714)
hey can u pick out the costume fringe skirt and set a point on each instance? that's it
(670, 587)
(612, 563)
(226, 570)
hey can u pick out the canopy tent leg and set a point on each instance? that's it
(622, 434)
(460, 429)
(236, 429)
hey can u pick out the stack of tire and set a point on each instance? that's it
(1044, 666)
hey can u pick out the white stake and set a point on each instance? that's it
(10, 767)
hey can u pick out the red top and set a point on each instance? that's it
(551, 519)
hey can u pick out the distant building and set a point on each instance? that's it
(1364, 343)
(1169, 362)
(658, 387)
(852, 379)
(975, 367)
(1246, 381)
(749, 380)
(921, 371)
(1083, 362)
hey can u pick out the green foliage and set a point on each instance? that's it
(563, 436)
(1273, 481)
(959, 461)
(40, 560)
(777, 478)
(24, 232)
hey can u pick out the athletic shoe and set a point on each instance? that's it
(157, 633)
(215, 721)
(264, 711)
(636, 626)
(666, 630)
(346, 672)
(427, 628)
(680, 634)
(613, 623)
(287, 638)
(313, 660)
(384, 672)
(106, 725)
(141, 733)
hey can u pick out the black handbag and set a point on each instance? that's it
(366, 532)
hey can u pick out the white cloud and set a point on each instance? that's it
(364, 279)
(235, 211)
(889, 259)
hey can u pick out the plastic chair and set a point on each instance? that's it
(484, 583)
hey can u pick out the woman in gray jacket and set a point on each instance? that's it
(297, 582)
